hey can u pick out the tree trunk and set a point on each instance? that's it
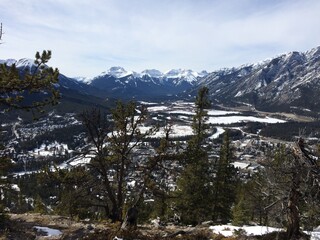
(131, 219)
(116, 215)
(293, 230)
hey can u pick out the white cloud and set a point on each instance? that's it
(87, 37)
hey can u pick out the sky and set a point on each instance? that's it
(87, 37)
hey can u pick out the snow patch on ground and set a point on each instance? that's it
(15, 187)
(228, 230)
(241, 165)
(157, 108)
(220, 112)
(182, 112)
(50, 232)
(176, 131)
(81, 161)
(220, 131)
(147, 103)
(116, 238)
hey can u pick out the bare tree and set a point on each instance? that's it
(123, 165)
(114, 142)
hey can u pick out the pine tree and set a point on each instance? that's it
(5, 164)
(16, 87)
(253, 199)
(39, 206)
(70, 188)
(241, 211)
(199, 125)
(225, 183)
(195, 192)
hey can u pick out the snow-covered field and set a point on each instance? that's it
(185, 109)
(237, 119)
(220, 112)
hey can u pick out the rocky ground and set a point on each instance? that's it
(26, 226)
(49, 227)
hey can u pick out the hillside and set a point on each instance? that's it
(289, 82)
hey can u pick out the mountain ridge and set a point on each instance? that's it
(120, 72)
(286, 82)
(150, 83)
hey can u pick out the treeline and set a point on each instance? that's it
(287, 130)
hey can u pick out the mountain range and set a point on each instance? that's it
(288, 82)
(117, 82)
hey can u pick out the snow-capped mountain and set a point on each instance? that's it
(152, 73)
(24, 62)
(288, 81)
(149, 83)
(85, 80)
(181, 75)
(120, 83)
(119, 72)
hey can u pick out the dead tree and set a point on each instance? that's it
(304, 161)
(1, 31)
(292, 178)
(293, 215)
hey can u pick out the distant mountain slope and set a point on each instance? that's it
(285, 82)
